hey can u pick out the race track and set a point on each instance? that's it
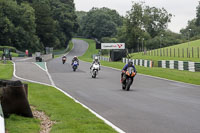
(151, 106)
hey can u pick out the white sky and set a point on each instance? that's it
(183, 10)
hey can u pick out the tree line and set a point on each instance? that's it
(36, 24)
(142, 27)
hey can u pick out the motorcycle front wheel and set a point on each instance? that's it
(128, 84)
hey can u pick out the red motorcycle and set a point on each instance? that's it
(64, 58)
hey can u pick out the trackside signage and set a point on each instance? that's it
(112, 45)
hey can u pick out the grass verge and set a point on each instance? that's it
(6, 70)
(91, 50)
(65, 51)
(13, 54)
(172, 74)
(19, 124)
(69, 116)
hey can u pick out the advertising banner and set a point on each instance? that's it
(112, 45)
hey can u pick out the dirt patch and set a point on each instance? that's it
(46, 123)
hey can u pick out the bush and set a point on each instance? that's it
(12, 49)
(109, 40)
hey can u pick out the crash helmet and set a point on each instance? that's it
(95, 58)
(75, 57)
(130, 63)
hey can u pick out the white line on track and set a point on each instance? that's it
(53, 85)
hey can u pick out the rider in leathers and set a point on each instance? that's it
(123, 75)
(96, 60)
(75, 59)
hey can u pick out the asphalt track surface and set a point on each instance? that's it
(152, 105)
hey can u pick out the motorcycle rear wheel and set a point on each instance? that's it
(94, 74)
(123, 87)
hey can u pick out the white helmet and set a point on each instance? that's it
(96, 58)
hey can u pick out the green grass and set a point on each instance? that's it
(6, 70)
(172, 74)
(91, 50)
(13, 54)
(64, 51)
(71, 45)
(70, 116)
(183, 76)
(19, 124)
(151, 55)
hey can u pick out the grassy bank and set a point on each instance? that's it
(183, 76)
(179, 54)
(61, 52)
(91, 50)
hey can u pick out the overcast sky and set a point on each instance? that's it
(183, 10)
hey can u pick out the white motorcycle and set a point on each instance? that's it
(94, 70)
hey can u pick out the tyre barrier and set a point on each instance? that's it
(180, 65)
(139, 62)
(101, 58)
(13, 100)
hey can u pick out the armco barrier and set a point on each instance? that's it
(47, 57)
(180, 65)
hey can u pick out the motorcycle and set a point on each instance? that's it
(75, 65)
(128, 78)
(64, 59)
(94, 70)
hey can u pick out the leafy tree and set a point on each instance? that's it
(80, 15)
(192, 30)
(100, 23)
(198, 15)
(45, 24)
(134, 24)
(166, 38)
(155, 20)
(63, 12)
(18, 25)
(143, 23)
